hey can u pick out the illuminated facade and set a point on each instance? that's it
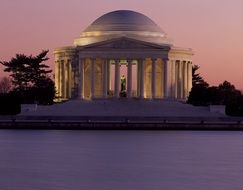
(123, 43)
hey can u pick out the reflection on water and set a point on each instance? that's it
(120, 160)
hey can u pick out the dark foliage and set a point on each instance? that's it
(196, 78)
(30, 78)
(43, 94)
(9, 104)
(44, 91)
(232, 98)
(198, 96)
(5, 85)
(26, 71)
(224, 94)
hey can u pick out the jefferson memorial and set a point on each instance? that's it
(123, 54)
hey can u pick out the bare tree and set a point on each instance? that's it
(5, 85)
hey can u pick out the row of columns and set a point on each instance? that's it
(117, 78)
(181, 78)
(177, 78)
(105, 77)
(63, 78)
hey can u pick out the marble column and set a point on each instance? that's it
(129, 78)
(176, 78)
(57, 81)
(108, 75)
(117, 78)
(141, 62)
(138, 66)
(81, 79)
(167, 86)
(173, 78)
(105, 76)
(92, 73)
(189, 79)
(180, 78)
(185, 73)
(63, 79)
(70, 78)
(153, 78)
(66, 79)
(59, 78)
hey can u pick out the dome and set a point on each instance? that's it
(122, 23)
(123, 20)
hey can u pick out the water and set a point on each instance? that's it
(120, 160)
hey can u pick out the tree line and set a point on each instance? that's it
(29, 82)
(202, 94)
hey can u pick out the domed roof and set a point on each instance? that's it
(123, 20)
(122, 23)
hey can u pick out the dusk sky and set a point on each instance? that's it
(212, 28)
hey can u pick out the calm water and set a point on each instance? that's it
(121, 160)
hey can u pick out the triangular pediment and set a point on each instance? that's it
(124, 43)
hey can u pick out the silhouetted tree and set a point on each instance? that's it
(30, 77)
(25, 71)
(196, 78)
(9, 104)
(5, 85)
(198, 96)
(225, 94)
(198, 93)
(213, 96)
(231, 98)
(45, 87)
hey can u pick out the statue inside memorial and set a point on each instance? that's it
(123, 92)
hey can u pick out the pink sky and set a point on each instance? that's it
(212, 28)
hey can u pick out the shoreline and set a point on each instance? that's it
(120, 123)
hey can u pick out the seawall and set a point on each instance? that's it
(121, 123)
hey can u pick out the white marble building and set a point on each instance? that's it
(154, 67)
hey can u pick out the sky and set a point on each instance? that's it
(212, 28)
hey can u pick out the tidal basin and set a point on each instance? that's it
(108, 160)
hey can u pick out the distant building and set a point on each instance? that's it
(91, 68)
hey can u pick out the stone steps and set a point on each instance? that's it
(123, 107)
